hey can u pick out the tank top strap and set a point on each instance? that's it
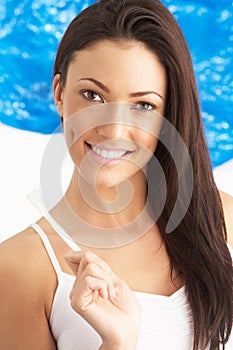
(69, 241)
(49, 249)
(36, 199)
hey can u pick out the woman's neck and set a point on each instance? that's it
(104, 206)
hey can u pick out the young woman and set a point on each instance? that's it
(161, 290)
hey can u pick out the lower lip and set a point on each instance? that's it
(108, 162)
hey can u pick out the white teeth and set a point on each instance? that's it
(108, 154)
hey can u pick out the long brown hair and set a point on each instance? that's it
(197, 246)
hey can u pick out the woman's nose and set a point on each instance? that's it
(117, 123)
(113, 130)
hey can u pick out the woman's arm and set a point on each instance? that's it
(23, 315)
(227, 202)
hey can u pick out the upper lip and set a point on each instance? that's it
(125, 146)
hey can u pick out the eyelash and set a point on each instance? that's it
(151, 106)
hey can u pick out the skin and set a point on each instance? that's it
(28, 281)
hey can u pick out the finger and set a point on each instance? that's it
(85, 258)
(94, 270)
(73, 260)
(90, 257)
(87, 290)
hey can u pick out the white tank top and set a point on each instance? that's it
(166, 322)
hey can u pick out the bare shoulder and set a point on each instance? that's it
(25, 279)
(23, 258)
(227, 203)
(23, 253)
(16, 253)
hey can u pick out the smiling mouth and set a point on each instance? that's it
(107, 153)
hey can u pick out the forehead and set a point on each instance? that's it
(125, 61)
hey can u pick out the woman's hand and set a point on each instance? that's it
(104, 301)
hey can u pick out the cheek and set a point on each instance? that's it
(72, 103)
(153, 144)
(75, 156)
(76, 151)
(146, 145)
(147, 141)
(147, 135)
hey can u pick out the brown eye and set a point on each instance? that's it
(92, 96)
(144, 107)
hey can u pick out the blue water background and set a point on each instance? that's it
(31, 29)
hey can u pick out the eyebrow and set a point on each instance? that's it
(133, 94)
(142, 93)
(98, 83)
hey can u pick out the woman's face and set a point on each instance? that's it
(125, 72)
